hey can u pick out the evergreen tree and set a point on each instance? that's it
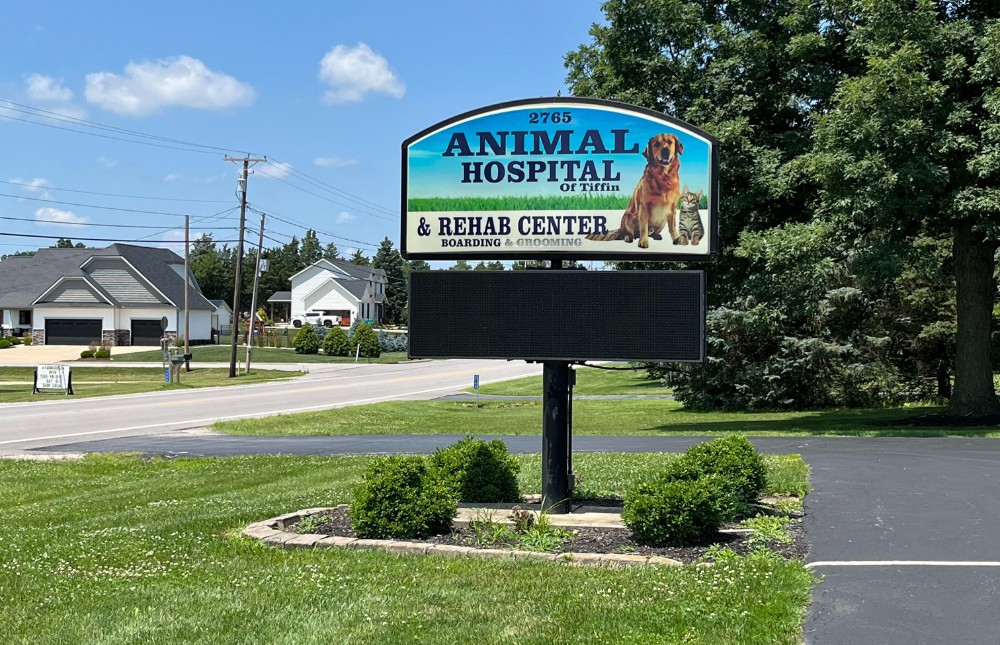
(310, 251)
(330, 252)
(389, 260)
(359, 258)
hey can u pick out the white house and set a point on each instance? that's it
(339, 288)
(114, 296)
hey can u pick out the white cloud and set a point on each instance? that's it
(343, 217)
(45, 89)
(275, 170)
(107, 162)
(353, 73)
(56, 217)
(50, 94)
(32, 185)
(337, 162)
(211, 179)
(148, 87)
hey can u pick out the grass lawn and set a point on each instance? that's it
(126, 550)
(15, 382)
(625, 417)
(588, 381)
(220, 354)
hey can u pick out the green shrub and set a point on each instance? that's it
(336, 343)
(27, 338)
(87, 353)
(401, 498)
(678, 511)
(14, 340)
(104, 352)
(306, 341)
(4, 343)
(478, 471)
(365, 336)
(734, 459)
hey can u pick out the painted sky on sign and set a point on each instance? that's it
(433, 175)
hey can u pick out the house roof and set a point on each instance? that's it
(351, 269)
(25, 278)
(219, 304)
(280, 296)
(356, 287)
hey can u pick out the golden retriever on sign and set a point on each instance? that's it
(654, 200)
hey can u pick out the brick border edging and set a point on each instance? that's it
(273, 532)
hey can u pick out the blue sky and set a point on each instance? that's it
(329, 88)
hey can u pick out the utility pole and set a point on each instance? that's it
(253, 297)
(241, 186)
(187, 289)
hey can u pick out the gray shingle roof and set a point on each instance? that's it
(280, 296)
(356, 287)
(24, 278)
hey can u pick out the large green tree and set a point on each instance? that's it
(911, 147)
(876, 117)
(310, 251)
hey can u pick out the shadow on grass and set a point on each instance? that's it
(888, 422)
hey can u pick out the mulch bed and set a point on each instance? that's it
(582, 540)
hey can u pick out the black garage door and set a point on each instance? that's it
(146, 332)
(72, 331)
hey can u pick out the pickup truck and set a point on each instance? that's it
(315, 318)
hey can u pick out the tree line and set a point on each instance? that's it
(859, 188)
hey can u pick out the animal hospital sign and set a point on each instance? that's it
(560, 178)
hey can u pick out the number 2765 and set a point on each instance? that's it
(546, 117)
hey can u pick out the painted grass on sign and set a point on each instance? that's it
(587, 202)
(128, 550)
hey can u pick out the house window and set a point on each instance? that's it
(24, 317)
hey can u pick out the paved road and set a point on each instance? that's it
(36, 424)
(931, 503)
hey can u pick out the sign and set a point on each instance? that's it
(53, 377)
(558, 315)
(560, 178)
(475, 382)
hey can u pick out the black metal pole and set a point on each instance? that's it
(556, 490)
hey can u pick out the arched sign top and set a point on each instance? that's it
(560, 178)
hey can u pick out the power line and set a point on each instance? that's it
(107, 208)
(96, 239)
(63, 118)
(91, 192)
(337, 191)
(37, 221)
(272, 215)
(325, 198)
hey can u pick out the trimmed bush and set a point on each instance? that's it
(4, 343)
(336, 343)
(676, 512)
(734, 459)
(27, 338)
(478, 471)
(306, 341)
(87, 353)
(14, 340)
(392, 342)
(400, 498)
(368, 339)
(104, 352)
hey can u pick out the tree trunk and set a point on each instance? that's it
(974, 265)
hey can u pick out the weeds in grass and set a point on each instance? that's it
(486, 531)
(789, 507)
(309, 524)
